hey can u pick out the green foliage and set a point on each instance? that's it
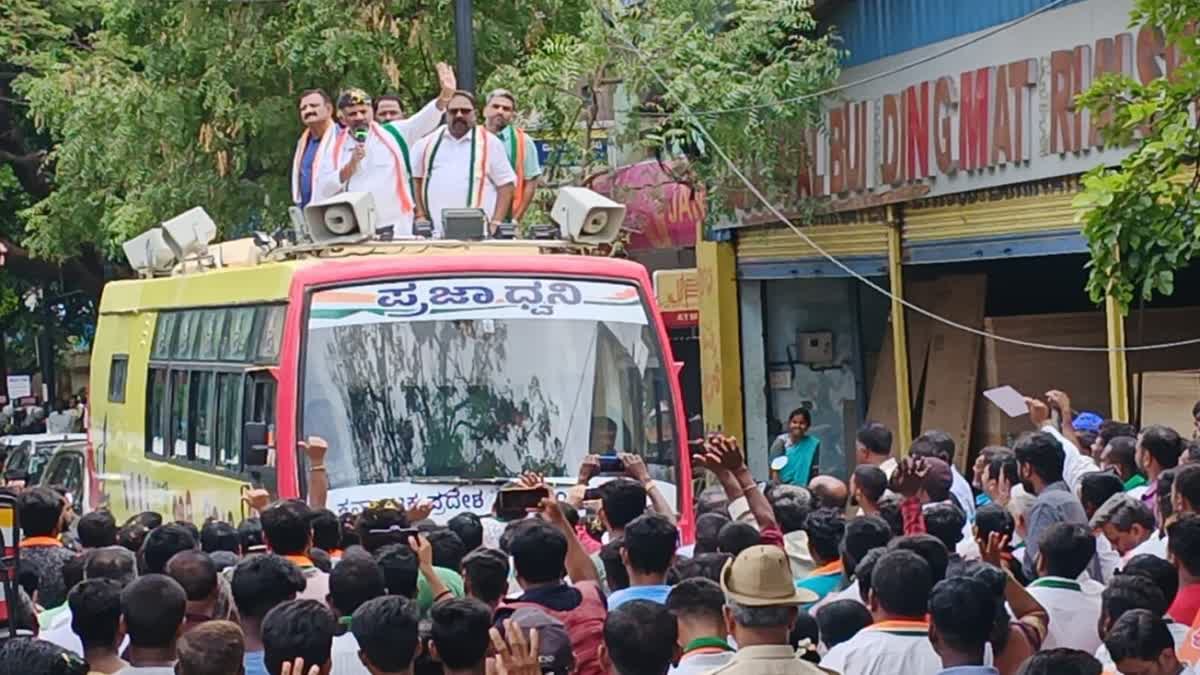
(712, 55)
(1142, 218)
(161, 106)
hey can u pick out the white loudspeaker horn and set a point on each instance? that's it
(346, 218)
(148, 252)
(190, 232)
(587, 217)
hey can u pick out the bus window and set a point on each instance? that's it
(180, 386)
(270, 333)
(212, 325)
(228, 432)
(185, 335)
(163, 335)
(235, 346)
(117, 373)
(155, 419)
(201, 415)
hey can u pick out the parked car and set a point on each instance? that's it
(27, 456)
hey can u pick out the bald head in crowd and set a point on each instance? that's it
(829, 492)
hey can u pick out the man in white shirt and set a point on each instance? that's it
(1126, 523)
(387, 633)
(355, 580)
(366, 156)
(898, 641)
(462, 166)
(1128, 592)
(961, 615)
(1064, 552)
(873, 445)
(1141, 642)
(1075, 463)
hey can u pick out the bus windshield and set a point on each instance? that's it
(483, 378)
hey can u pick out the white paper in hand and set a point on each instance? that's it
(1009, 400)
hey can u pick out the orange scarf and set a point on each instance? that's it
(36, 542)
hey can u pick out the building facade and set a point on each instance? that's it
(946, 169)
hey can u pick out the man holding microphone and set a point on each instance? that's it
(370, 157)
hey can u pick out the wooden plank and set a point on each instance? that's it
(989, 426)
(1033, 372)
(953, 365)
(882, 404)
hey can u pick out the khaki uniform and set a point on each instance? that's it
(769, 660)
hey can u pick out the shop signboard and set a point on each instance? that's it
(994, 112)
(678, 294)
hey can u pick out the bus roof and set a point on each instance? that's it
(271, 281)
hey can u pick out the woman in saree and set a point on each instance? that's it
(795, 456)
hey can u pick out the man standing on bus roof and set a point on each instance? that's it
(367, 156)
(498, 114)
(316, 113)
(388, 108)
(463, 165)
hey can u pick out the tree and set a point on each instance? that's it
(161, 106)
(1142, 218)
(678, 57)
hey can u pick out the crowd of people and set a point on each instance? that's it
(1074, 552)
(416, 167)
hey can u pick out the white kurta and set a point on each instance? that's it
(344, 656)
(450, 174)
(886, 648)
(378, 172)
(1074, 611)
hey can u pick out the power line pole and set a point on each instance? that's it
(464, 38)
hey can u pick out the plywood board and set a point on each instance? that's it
(1168, 397)
(882, 404)
(952, 370)
(1083, 375)
(1033, 372)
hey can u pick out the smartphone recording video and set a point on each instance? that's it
(512, 503)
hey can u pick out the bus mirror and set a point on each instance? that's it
(255, 438)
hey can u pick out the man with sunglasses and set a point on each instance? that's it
(498, 114)
(463, 166)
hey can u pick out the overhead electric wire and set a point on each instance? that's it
(647, 63)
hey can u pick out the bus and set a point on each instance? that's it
(435, 370)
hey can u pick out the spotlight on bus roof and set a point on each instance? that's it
(587, 217)
(189, 233)
(346, 218)
(148, 253)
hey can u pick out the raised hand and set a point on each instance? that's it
(514, 654)
(419, 512)
(258, 500)
(906, 481)
(315, 448)
(994, 550)
(589, 467)
(1039, 412)
(297, 668)
(635, 467)
(446, 80)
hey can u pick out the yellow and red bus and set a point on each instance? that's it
(434, 370)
